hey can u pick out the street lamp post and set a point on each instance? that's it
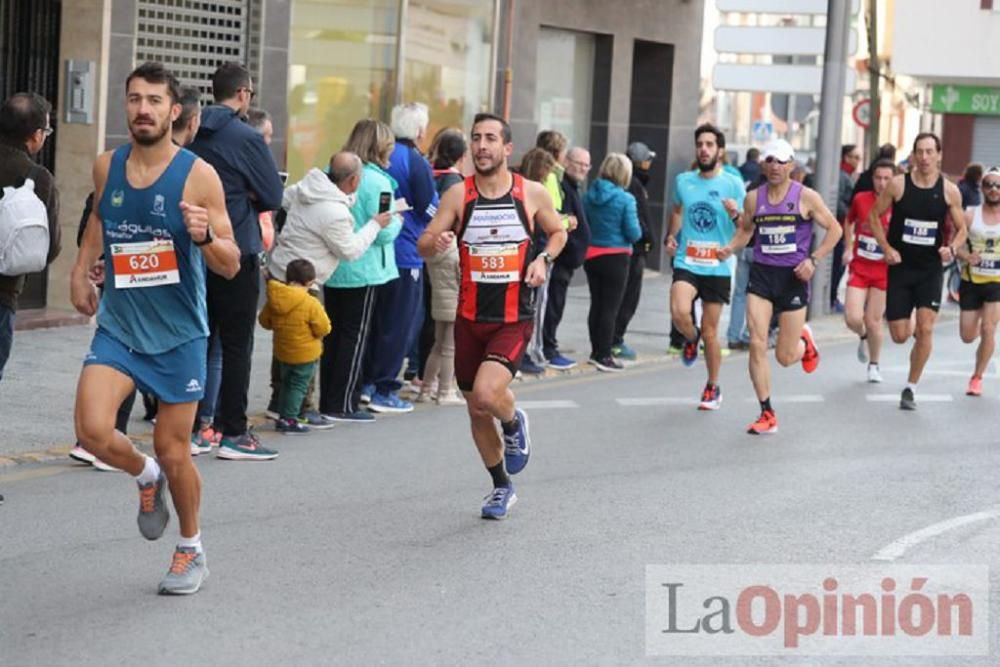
(828, 145)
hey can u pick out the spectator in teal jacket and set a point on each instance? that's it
(349, 294)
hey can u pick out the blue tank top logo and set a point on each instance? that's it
(702, 216)
(162, 314)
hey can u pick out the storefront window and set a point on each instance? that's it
(565, 79)
(447, 57)
(343, 65)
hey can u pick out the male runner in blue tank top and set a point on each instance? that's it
(160, 218)
(782, 213)
(915, 248)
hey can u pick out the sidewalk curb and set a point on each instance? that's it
(144, 440)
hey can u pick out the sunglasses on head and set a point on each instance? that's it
(770, 159)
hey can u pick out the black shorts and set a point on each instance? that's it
(779, 285)
(972, 296)
(911, 288)
(711, 289)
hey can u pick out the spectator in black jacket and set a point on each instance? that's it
(750, 170)
(642, 159)
(969, 185)
(251, 183)
(24, 127)
(571, 258)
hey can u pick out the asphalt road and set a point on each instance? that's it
(363, 545)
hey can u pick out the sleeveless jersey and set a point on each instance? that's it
(154, 288)
(917, 227)
(495, 247)
(984, 240)
(783, 236)
(866, 249)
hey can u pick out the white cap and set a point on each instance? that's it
(779, 149)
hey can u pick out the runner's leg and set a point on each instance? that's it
(171, 440)
(969, 322)
(854, 309)
(922, 347)
(99, 394)
(682, 295)
(987, 340)
(490, 399)
(710, 335)
(874, 312)
(759, 312)
(790, 346)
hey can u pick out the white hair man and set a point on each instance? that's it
(396, 318)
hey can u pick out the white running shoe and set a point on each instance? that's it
(863, 350)
(80, 454)
(873, 374)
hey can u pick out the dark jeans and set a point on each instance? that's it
(838, 270)
(295, 379)
(606, 277)
(397, 310)
(350, 311)
(425, 338)
(559, 280)
(232, 316)
(633, 290)
(6, 335)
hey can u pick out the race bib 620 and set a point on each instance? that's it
(144, 264)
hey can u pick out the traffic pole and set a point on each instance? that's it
(838, 20)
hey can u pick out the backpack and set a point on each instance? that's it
(24, 231)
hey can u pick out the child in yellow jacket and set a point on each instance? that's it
(300, 323)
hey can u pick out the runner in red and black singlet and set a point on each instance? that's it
(917, 244)
(494, 217)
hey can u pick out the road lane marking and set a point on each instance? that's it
(547, 405)
(898, 548)
(921, 398)
(795, 398)
(655, 400)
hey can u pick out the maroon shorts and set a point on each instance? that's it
(476, 342)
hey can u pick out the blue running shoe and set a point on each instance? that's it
(530, 367)
(391, 403)
(689, 354)
(623, 351)
(517, 447)
(560, 363)
(499, 503)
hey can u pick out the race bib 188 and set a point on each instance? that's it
(920, 232)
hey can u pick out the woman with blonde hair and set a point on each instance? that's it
(350, 293)
(614, 227)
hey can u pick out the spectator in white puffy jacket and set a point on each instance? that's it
(320, 226)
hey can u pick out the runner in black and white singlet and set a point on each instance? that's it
(781, 213)
(494, 217)
(979, 292)
(916, 246)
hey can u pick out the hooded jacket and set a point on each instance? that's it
(245, 165)
(377, 265)
(319, 227)
(415, 183)
(298, 320)
(612, 215)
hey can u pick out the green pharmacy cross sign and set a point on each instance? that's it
(965, 99)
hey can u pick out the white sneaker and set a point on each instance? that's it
(873, 374)
(451, 398)
(104, 467)
(863, 350)
(80, 454)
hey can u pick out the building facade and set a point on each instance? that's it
(605, 74)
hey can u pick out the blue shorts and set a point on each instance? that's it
(175, 376)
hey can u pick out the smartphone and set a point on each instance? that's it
(384, 202)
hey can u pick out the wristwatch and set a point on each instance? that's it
(548, 258)
(209, 237)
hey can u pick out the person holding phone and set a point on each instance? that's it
(350, 294)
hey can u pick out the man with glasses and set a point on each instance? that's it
(24, 127)
(781, 213)
(250, 178)
(915, 248)
(979, 292)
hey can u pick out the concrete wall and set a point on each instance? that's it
(85, 24)
(675, 22)
(952, 49)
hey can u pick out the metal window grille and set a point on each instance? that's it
(194, 37)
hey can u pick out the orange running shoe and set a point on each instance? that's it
(810, 358)
(975, 386)
(765, 424)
